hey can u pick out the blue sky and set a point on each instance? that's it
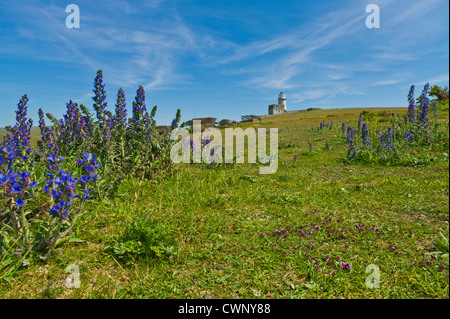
(220, 58)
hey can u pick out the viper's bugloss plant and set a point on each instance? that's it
(351, 140)
(365, 135)
(176, 120)
(80, 157)
(120, 120)
(138, 112)
(424, 106)
(409, 137)
(409, 140)
(17, 140)
(100, 103)
(7, 158)
(360, 121)
(411, 105)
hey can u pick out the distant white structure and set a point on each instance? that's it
(280, 107)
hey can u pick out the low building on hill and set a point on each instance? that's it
(280, 107)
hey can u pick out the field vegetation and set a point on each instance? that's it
(355, 190)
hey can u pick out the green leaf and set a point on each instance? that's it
(75, 240)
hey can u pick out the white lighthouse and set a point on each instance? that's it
(280, 107)
(282, 101)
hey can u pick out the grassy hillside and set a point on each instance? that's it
(308, 231)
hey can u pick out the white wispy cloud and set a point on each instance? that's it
(295, 60)
(131, 54)
(294, 53)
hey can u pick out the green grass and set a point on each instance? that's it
(214, 219)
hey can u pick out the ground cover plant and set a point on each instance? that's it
(333, 211)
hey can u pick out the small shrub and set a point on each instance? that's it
(140, 239)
